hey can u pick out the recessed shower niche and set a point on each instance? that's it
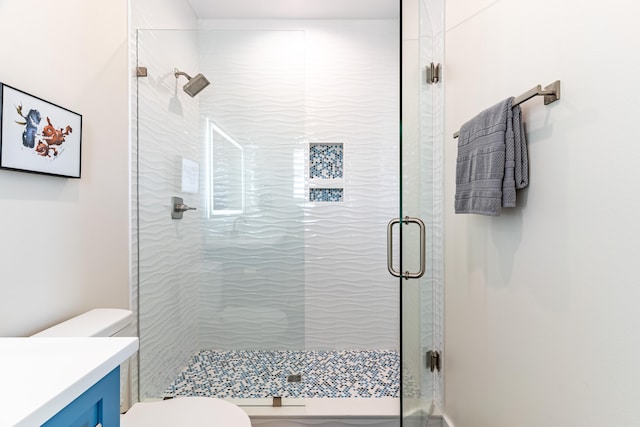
(326, 172)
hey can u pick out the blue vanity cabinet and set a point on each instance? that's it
(98, 406)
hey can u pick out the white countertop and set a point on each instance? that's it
(40, 376)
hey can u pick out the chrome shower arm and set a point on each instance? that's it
(178, 73)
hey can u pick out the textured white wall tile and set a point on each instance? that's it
(253, 287)
(352, 98)
(334, 82)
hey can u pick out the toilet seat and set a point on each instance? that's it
(186, 412)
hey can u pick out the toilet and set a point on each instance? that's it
(182, 411)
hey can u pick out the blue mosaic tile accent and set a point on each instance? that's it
(326, 161)
(263, 374)
(326, 194)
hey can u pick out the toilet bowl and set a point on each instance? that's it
(186, 411)
(183, 411)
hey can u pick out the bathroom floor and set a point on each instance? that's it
(262, 374)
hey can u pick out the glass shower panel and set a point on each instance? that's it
(229, 275)
(291, 158)
(431, 109)
(422, 198)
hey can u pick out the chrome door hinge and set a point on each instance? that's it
(433, 360)
(433, 73)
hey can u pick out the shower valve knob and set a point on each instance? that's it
(181, 207)
(178, 207)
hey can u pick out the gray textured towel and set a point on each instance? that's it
(492, 160)
(520, 147)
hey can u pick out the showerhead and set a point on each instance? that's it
(194, 85)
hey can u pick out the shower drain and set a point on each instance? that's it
(294, 378)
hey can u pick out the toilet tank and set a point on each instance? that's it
(100, 322)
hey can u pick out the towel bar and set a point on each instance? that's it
(551, 94)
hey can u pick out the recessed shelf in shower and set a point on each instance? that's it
(326, 172)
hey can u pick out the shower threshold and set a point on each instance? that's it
(322, 407)
(267, 402)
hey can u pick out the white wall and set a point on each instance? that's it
(65, 241)
(542, 302)
(162, 14)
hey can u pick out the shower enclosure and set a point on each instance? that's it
(291, 158)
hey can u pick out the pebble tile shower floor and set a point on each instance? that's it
(264, 374)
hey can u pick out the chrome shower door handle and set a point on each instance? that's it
(423, 263)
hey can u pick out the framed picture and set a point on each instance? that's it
(38, 136)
